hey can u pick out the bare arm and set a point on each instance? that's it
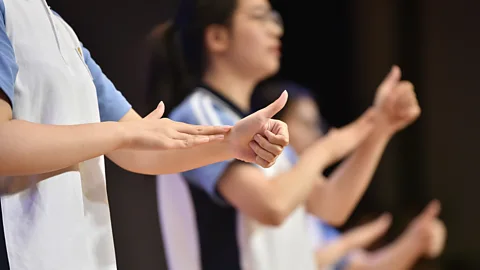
(353, 240)
(348, 183)
(168, 161)
(45, 150)
(270, 201)
(28, 148)
(424, 236)
(399, 255)
(398, 107)
(237, 144)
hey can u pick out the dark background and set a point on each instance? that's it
(342, 50)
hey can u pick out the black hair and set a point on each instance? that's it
(179, 59)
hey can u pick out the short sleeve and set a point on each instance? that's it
(195, 111)
(329, 234)
(111, 103)
(291, 155)
(8, 64)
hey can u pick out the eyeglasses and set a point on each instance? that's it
(271, 16)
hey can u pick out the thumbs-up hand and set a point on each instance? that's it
(397, 102)
(259, 139)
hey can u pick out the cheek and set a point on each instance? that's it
(252, 49)
(248, 48)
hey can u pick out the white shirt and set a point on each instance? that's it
(62, 223)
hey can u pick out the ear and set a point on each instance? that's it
(216, 38)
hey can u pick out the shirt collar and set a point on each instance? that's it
(228, 102)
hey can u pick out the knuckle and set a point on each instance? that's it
(262, 142)
(269, 157)
(262, 162)
(257, 148)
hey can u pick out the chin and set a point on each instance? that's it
(271, 69)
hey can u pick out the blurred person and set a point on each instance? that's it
(424, 237)
(58, 117)
(231, 215)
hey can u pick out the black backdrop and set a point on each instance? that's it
(342, 49)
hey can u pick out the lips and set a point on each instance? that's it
(277, 49)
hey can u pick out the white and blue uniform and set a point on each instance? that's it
(201, 230)
(50, 78)
(322, 234)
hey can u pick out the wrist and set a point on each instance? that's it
(228, 147)
(121, 133)
(383, 132)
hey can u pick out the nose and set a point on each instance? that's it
(276, 24)
(278, 31)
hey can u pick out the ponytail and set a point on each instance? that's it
(168, 77)
(179, 57)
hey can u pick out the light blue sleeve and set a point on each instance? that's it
(329, 234)
(205, 177)
(8, 63)
(291, 154)
(111, 103)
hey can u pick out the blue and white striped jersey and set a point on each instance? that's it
(202, 230)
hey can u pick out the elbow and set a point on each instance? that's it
(275, 214)
(330, 215)
(337, 219)
(274, 219)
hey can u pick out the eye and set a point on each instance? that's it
(260, 16)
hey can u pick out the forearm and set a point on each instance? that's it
(289, 190)
(349, 181)
(28, 148)
(331, 253)
(171, 161)
(399, 255)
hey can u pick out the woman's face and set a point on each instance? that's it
(255, 46)
(303, 120)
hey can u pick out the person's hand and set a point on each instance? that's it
(438, 235)
(338, 143)
(156, 133)
(259, 139)
(397, 102)
(363, 236)
(428, 230)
